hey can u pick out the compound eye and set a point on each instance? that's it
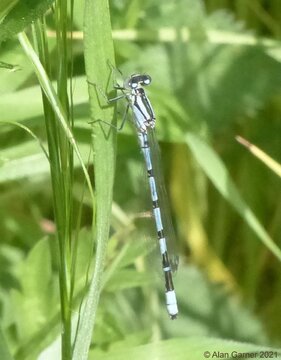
(133, 85)
(147, 80)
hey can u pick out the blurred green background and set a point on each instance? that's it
(216, 73)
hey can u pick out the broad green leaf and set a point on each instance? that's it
(10, 80)
(36, 301)
(208, 309)
(4, 350)
(30, 104)
(27, 160)
(127, 278)
(5, 7)
(189, 348)
(4, 65)
(22, 15)
(35, 306)
(219, 176)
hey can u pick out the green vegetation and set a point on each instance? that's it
(76, 280)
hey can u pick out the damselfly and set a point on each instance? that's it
(144, 121)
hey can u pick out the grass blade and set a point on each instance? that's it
(51, 95)
(217, 173)
(98, 53)
(261, 155)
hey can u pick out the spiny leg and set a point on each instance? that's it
(110, 101)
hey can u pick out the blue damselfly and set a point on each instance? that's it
(144, 120)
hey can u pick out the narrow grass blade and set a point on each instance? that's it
(98, 54)
(51, 95)
(30, 132)
(217, 173)
(261, 155)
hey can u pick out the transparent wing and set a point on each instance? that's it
(169, 231)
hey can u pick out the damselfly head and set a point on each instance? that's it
(137, 80)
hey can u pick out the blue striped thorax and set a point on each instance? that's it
(139, 102)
